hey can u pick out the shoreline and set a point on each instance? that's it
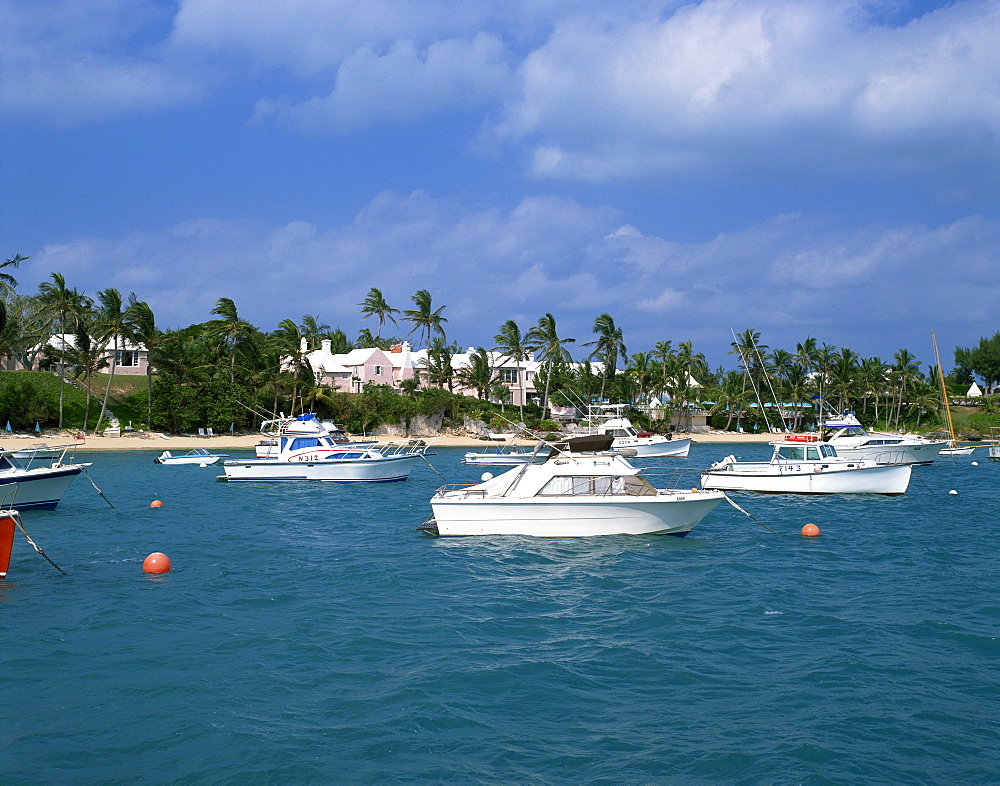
(181, 444)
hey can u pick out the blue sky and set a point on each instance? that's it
(823, 168)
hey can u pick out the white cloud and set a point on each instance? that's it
(401, 85)
(779, 85)
(790, 277)
(66, 61)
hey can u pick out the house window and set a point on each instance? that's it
(508, 376)
(378, 371)
(128, 358)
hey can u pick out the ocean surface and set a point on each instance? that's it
(309, 634)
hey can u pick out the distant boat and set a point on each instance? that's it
(307, 451)
(609, 419)
(801, 464)
(953, 449)
(268, 447)
(853, 441)
(198, 456)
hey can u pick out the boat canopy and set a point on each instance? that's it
(592, 443)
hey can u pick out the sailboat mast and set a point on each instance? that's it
(944, 392)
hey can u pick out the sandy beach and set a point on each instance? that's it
(180, 444)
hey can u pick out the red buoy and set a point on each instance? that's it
(156, 563)
(810, 530)
(156, 504)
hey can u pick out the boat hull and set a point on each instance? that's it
(36, 489)
(496, 459)
(968, 451)
(674, 514)
(890, 480)
(917, 454)
(369, 470)
(652, 448)
(7, 526)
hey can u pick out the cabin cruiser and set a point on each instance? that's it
(268, 447)
(609, 419)
(802, 464)
(582, 488)
(845, 432)
(308, 451)
(41, 487)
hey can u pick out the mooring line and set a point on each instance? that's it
(95, 485)
(724, 494)
(27, 537)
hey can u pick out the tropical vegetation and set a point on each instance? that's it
(227, 373)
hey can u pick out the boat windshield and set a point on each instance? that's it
(596, 485)
(804, 452)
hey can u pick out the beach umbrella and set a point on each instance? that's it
(38, 426)
(8, 425)
(232, 427)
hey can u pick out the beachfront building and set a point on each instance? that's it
(350, 371)
(132, 358)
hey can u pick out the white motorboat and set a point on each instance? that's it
(508, 456)
(853, 441)
(268, 447)
(801, 464)
(198, 456)
(307, 451)
(581, 489)
(28, 487)
(608, 419)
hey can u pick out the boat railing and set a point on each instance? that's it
(672, 477)
(463, 490)
(410, 447)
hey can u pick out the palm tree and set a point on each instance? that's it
(113, 324)
(374, 305)
(142, 325)
(313, 331)
(7, 282)
(478, 375)
(66, 305)
(640, 368)
(439, 371)
(231, 329)
(544, 338)
(425, 317)
(87, 357)
(511, 343)
(905, 373)
(609, 344)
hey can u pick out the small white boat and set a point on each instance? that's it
(852, 441)
(958, 450)
(608, 419)
(28, 487)
(307, 451)
(498, 457)
(198, 456)
(499, 436)
(581, 489)
(801, 464)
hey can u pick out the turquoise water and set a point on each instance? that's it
(310, 634)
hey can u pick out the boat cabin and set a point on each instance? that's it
(817, 451)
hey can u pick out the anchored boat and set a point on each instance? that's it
(801, 464)
(35, 485)
(581, 489)
(308, 451)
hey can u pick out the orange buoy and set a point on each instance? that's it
(156, 504)
(810, 530)
(156, 563)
